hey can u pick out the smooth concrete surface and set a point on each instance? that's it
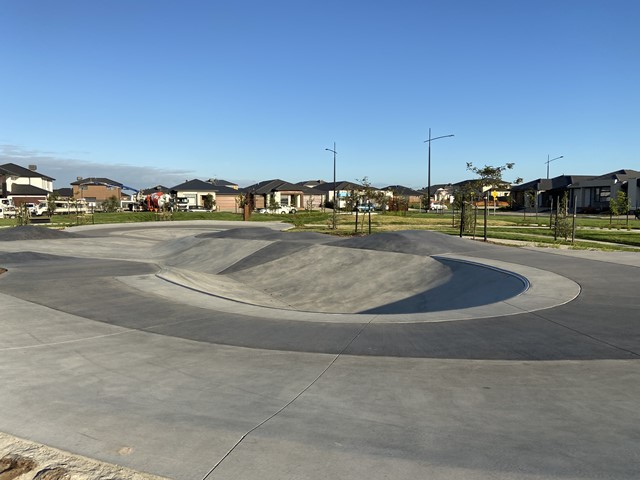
(215, 375)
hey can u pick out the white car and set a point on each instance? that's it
(438, 206)
(283, 209)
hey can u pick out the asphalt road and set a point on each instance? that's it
(425, 356)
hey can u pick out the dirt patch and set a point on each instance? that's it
(21, 460)
(12, 466)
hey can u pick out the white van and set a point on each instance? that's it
(7, 211)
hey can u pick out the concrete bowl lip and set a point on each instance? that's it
(542, 290)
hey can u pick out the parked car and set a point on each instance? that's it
(196, 208)
(365, 207)
(182, 204)
(438, 206)
(283, 209)
(31, 207)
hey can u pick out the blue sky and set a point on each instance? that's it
(157, 91)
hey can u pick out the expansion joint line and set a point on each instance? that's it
(284, 407)
(579, 332)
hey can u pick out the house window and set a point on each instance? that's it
(602, 194)
(284, 200)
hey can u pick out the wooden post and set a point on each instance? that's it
(486, 208)
(573, 228)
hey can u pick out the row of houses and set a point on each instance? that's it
(586, 192)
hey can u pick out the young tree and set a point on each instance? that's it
(350, 201)
(309, 203)
(23, 216)
(530, 198)
(111, 204)
(489, 177)
(367, 190)
(563, 227)
(620, 204)
(424, 200)
(241, 200)
(273, 205)
(209, 202)
(52, 198)
(381, 200)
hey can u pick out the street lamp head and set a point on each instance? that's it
(437, 138)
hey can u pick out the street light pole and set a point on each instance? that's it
(334, 182)
(429, 167)
(549, 161)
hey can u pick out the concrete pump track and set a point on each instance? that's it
(203, 350)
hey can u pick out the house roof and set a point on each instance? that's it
(623, 175)
(157, 188)
(64, 192)
(342, 185)
(436, 187)
(18, 171)
(546, 184)
(18, 189)
(277, 185)
(311, 183)
(402, 190)
(221, 183)
(97, 181)
(197, 185)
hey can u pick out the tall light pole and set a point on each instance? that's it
(334, 182)
(429, 167)
(549, 161)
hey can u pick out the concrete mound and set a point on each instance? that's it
(261, 233)
(339, 280)
(31, 232)
(10, 258)
(213, 255)
(269, 253)
(414, 242)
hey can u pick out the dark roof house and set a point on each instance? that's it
(543, 190)
(196, 192)
(17, 170)
(404, 191)
(594, 193)
(24, 184)
(283, 193)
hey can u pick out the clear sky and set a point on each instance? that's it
(160, 91)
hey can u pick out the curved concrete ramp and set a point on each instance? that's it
(316, 275)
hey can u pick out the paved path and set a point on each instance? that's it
(100, 355)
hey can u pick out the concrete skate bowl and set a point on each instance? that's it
(383, 274)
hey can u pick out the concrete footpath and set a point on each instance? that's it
(204, 350)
